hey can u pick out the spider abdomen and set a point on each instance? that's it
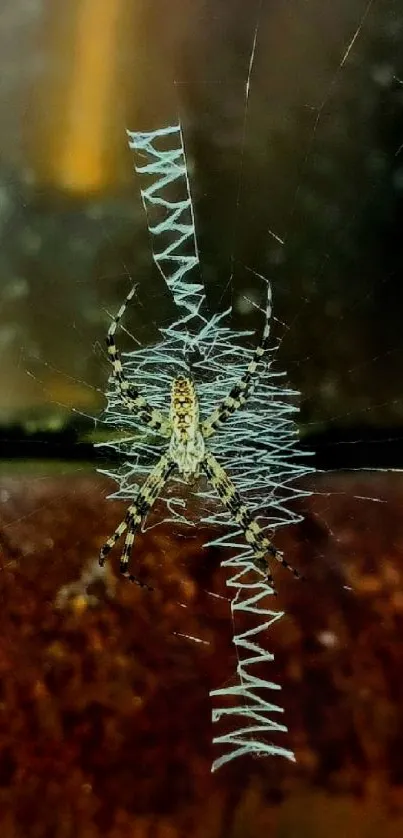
(187, 444)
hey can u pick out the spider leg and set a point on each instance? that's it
(129, 394)
(254, 535)
(124, 561)
(110, 543)
(138, 511)
(239, 393)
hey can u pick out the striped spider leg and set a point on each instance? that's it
(187, 452)
(217, 476)
(129, 394)
(137, 513)
(242, 389)
(254, 535)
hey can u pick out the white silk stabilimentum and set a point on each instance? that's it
(257, 445)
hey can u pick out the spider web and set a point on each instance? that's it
(263, 431)
(270, 489)
(281, 234)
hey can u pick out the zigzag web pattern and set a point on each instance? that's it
(258, 445)
(167, 171)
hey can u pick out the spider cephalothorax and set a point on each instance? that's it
(187, 450)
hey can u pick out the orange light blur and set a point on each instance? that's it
(78, 156)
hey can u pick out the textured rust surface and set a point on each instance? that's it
(105, 715)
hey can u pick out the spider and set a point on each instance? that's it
(187, 450)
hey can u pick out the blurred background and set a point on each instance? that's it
(292, 117)
(292, 113)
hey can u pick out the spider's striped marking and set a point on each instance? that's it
(240, 513)
(138, 511)
(243, 388)
(128, 393)
(184, 407)
(187, 452)
(187, 444)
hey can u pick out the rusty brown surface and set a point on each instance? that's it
(105, 715)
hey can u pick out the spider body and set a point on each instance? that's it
(186, 445)
(187, 451)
